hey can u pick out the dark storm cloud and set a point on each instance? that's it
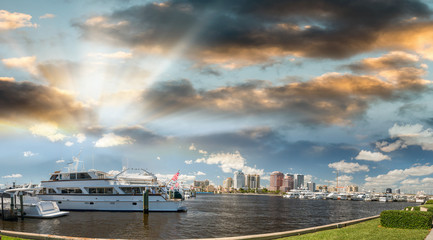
(239, 33)
(27, 101)
(328, 99)
(140, 134)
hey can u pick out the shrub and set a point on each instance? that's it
(429, 201)
(406, 219)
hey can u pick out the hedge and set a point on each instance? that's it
(429, 202)
(406, 219)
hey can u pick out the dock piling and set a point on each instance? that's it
(146, 202)
(21, 205)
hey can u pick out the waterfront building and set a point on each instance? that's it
(201, 184)
(322, 188)
(397, 190)
(252, 181)
(276, 181)
(228, 183)
(352, 188)
(311, 186)
(238, 180)
(388, 190)
(299, 181)
(288, 183)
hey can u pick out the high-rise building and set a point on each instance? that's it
(388, 190)
(253, 181)
(276, 181)
(352, 188)
(311, 186)
(201, 184)
(288, 183)
(299, 181)
(228, 183)
(397, 190)
(239, 180)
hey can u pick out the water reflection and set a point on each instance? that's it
(207, 216)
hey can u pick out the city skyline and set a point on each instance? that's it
(210, 88)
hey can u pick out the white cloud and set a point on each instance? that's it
(347, 167)
(68, 143)
(47, 130)
(60, 161)
(192, 147)
(80, 137)
(394, 177)
(202, 152)
(343, 180)
(26, 63)
(413, 135)
(188, 162)
(229, 162)
(413, 181)
(15, 20)
(390, 147)
(47, 15)
(372, 156)
(116, 55)
(16, 175)
(7, 79)
(199, 173)
(29, 154)
(111, 140)
(158, 158)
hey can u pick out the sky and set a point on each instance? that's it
(212, 87)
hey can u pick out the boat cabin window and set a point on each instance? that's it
(51, 191)
(100, 190)
(131, 190)
(71, 190)
(54, 177)
(83, 176)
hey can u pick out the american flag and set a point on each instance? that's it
(175, 177)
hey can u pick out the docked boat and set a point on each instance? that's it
(386, 198)
(420, 197)
(291, 195)
(32, 206)
(332, 196)
(100, 191)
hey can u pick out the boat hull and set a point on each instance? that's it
(113, 203)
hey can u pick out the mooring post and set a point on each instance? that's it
(12, 205)
(22, 205)
(3, 209)
(146, 202)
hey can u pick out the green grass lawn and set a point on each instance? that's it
(9, 238)
(365, 230)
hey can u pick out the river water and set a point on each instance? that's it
(207, 216)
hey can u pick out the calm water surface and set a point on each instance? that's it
(207, 216)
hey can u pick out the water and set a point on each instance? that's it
(207, 216)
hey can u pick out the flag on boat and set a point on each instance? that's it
(177, 185)
(171, 188)
(175, 177)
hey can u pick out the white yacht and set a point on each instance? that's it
(32, 206)
(94, 190)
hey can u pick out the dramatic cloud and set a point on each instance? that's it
(240, 33)
(7, 79)
(48, 130)
(372, 156)
(26, 63)
(332, 98)
(16, 175)
(29, 154)
(390, 61)
(15, 20)
(347, 167)
(111, 140)
(20, 101)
